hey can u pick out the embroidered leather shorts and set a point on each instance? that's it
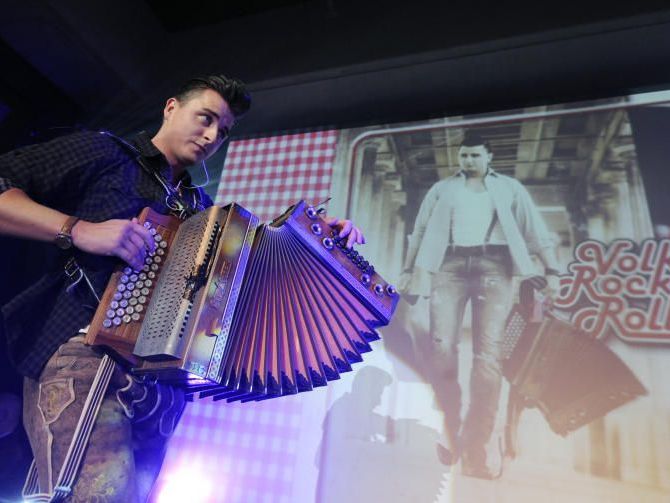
(127, 444)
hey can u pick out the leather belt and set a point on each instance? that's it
(477, 251)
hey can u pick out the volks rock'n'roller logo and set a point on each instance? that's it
(622, 287)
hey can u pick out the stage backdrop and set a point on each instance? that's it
(584, 410)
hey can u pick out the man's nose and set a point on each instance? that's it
(211, 133)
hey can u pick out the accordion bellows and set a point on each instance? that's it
(244, 312)
(570, 377)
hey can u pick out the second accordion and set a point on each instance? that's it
(230, 309)
(569, 376)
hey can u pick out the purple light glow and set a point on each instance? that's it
(187, 483)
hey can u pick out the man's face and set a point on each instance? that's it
(195, 128)
(474, 161)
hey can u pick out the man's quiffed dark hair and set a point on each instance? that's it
(474, 138)
(232, 90)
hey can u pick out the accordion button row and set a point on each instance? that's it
(134, 286)
(335, 241)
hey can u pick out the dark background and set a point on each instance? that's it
(323, 63)
(318, 63)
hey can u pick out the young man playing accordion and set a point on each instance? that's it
(82, 193)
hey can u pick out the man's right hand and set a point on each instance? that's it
(126, 239)
(22, 217)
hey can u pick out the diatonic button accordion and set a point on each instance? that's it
(229, 308)
(570, 377)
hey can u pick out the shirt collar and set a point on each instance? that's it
(143, 143)
(155, 159)
(490, 172)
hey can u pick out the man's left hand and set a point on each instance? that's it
(346, 228)
(551, 290)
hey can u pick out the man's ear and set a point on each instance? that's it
(170, 105)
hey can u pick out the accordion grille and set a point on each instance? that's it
(170, 308)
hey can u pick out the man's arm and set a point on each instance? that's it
(425, 211)
(415, 239)
(550, 262)
(36, 179)
(22, 217)
(536, 234)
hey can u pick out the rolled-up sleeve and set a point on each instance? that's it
(425, 211)
(54, 170)
(13, 172)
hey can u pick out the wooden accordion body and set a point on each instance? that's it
(234, 310)
(570, 377)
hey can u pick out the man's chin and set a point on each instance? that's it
(190, 160)
(472, 173)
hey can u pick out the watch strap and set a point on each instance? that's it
(66, 230)
(64, 238)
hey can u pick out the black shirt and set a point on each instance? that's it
(96, 177)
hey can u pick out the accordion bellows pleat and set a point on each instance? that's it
(247, 312)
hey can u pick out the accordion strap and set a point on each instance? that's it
(75, 453)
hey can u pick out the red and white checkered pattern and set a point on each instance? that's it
(250, 450)
(267, 175)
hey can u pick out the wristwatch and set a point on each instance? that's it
(64, 238)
